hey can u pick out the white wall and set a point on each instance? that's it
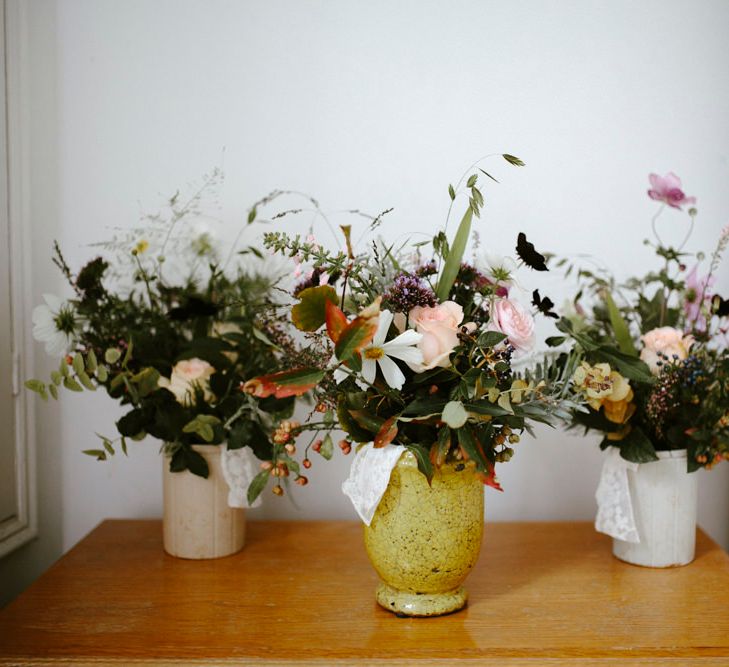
(371, 105)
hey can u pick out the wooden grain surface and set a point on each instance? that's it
(302, 593)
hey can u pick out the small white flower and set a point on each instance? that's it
(381, 353)
(501, 269)
(55, 323)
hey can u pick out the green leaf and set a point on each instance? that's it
(56, 377)
(555, 341)
(252, 215)
(196, 463)
(54, 391)
(424, 464)
(310, 313)
(620, 327)
(485, 173)
(487, 408)
(469, 445)
(123, 443)
(630, 367)
(505, 403)
(63, 368)
(91, 363)
(512, 159)
(367, 420)
(327, 447)
(636, 447)
(491, 338)
(439, 451)
(78, 364)
(102, 375)
(37, 386)
(108, 446)
(98, 454)
(451, 192)
(257, 485)
(146, 381)
(348, 424)
(455, 256)
(425, 406)
(112, 355)
(71, 384)
(454, 414)
(128, 354)
(203, 426)
(259, 335)
(354, 337)
(85, 380)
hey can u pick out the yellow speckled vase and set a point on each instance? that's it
(424, 540)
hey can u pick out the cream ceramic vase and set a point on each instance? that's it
(663, 495)
(197, 521)
(424, 540)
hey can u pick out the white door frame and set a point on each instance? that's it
(15, 224)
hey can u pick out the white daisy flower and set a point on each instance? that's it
(382, 353)
(55, 323)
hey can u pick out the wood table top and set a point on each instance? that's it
(302, 593)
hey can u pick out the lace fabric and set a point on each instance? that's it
(369, 477)
(239, 466)
(614, 505)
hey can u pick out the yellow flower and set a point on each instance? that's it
(141, 246)
(606, 388)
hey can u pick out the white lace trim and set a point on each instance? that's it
(239, 466)
(369, 477)
(614, 505)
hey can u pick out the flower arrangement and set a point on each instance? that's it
(160, 321)
(650, 355)
(418, 349)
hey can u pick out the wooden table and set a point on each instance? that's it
(301, 593)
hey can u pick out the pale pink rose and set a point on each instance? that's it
(667, 341)
(186, 375)
(439, 326)
(511, 318)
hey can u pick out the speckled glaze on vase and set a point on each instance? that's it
(424, 540)
(197, 522)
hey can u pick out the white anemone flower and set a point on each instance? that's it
(500, 269)
(382, 353)
(55, 323)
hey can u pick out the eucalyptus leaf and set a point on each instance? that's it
(71, 384)
(78, 364)
(112, 355)
(454, 414)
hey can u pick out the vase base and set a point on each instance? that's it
(404, 603)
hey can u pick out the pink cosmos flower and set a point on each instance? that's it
(668, 190)
(693, 303)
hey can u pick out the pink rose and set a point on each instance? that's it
(668, 190)
(186, 375)
(511, 318)
(666, 341)
(439, 326)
